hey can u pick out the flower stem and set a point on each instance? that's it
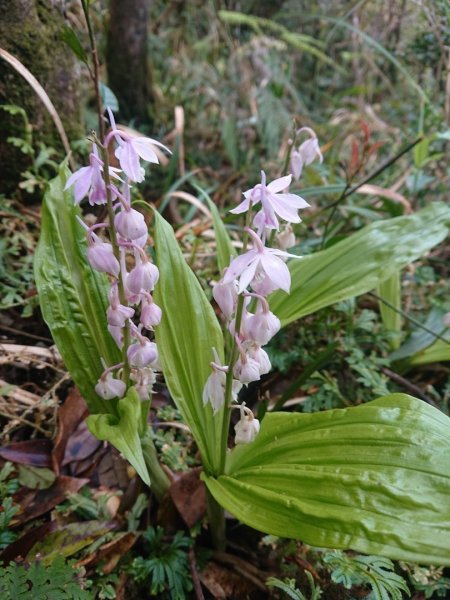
(232, 357)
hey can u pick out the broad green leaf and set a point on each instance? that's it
(72, 296)
(123, 431)
(359, 263)
(225, 249)
(374, 478)
(389, 292)
(186, 335)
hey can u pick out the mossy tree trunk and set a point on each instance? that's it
(31, 31)
(127, 60)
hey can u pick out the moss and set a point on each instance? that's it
(30, 30)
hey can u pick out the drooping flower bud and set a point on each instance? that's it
(225, 294)
(246, 428)
(145, 379)
(214, 389)
(261, 357)
(151, 313)
(286, 238)
(263, 325)
(117, 314)
(108, 387)
(142, 353)
(117, 334)
(143, 276)
(246, 369)
(101, 257)
(130, 224)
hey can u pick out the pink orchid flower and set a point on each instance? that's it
(273, 202)
(131, 149)
(88, 181)
(260, 261)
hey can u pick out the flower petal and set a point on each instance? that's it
(242, 207)
(280, 184)
(277, 271)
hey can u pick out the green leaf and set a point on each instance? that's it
(68, 540)
(225, 250)
(390, 291)
(359, 263)
(73, 297)
(186, 335)
(109, 99)
(123, 431)
(69, 36)
(422, 347)
(437, 352)
(36, 478)
(374, 478)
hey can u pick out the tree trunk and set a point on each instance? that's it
(126, 57)
(31, 31)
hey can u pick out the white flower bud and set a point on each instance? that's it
(246, 428)
(108, 387)
(130, 224)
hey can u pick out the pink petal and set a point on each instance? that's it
(237, 265)
(143, 146)
(280, 184)
(283, 209)
(242, 207)
(277, 271)
(129, 161)
(82, 185)
(247, 275)
(293, 200)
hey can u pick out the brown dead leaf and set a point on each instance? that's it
(225, 584)
(81, 445)
(35, 503)
(70, 414)
(23, 545)
(112, 552)
(36, 453)
(189, 496)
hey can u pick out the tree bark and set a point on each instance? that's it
(31, 31)
(126, 57)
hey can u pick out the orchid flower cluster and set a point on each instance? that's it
(242, 292)
(130, 293)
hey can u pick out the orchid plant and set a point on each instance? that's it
(374, 478)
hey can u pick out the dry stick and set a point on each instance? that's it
(195, 578)
(348, 191)
(438, 336)
(43, 96)
(408, 386)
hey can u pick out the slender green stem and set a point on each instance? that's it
(216, 518)
(231, 359)
(160, 483)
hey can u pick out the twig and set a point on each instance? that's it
(417, 323)
(408, 386)
(195, 578)
(348, 191)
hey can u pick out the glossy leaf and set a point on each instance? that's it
(437, 352)
(72, 296)
(359, 263)
(123, 431)
(186, 335)
(374, 478)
